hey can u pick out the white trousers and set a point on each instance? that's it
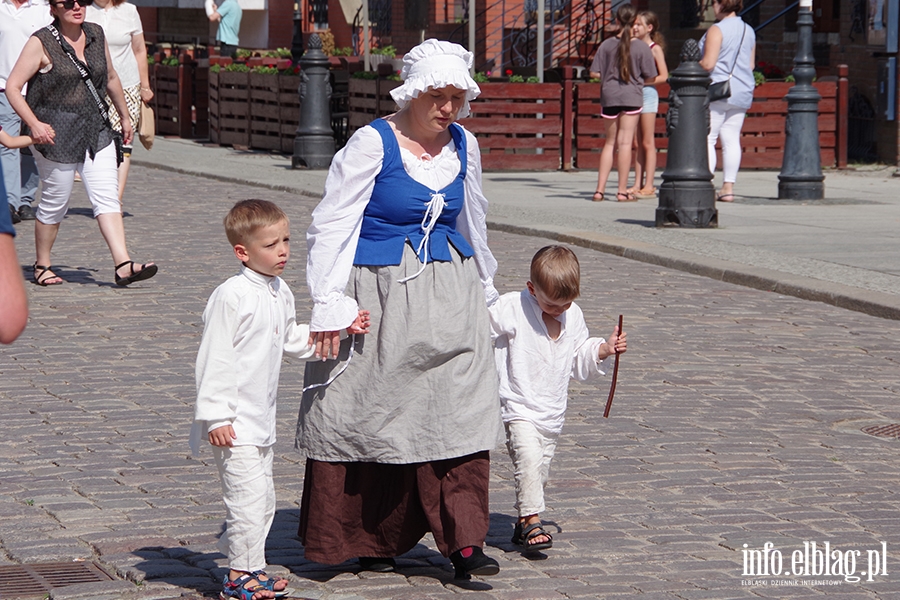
(249, 494)
(101, 181)
(725, 122)
(531, 452)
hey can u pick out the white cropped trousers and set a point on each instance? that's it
(101, 181)
(531, 452)
(249, 494)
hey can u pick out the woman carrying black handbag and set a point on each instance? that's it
(67, 66)
(729, 54)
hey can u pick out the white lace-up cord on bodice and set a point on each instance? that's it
(433, 210)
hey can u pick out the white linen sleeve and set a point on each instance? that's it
(216, 370)
(585, 365)
(296, 335)
(210, 7)
(333, 235)
(503, 316)
(472, 221)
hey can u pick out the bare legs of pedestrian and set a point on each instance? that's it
(619, 136)
(123, 178)
(112, 228)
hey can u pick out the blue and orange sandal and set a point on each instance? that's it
(270, 581)
(235, 588)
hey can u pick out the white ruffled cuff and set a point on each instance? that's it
(337, 313)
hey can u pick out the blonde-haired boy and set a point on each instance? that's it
(540, 341)
(249, 323)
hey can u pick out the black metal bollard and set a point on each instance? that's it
(314, 143)
(687, 197)
(801, 168)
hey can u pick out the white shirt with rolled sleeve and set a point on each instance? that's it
(535, 369)
(16, 26)
(249, 324)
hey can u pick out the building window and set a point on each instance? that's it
(451, 11)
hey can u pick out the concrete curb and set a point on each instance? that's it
(869, 302)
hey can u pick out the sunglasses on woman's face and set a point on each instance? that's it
(70, 4)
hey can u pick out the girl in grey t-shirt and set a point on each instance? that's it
(622, 64)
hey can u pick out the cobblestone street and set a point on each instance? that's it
(737, 421)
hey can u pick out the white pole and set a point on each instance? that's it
(366, 44)
(472, 32)
(540, 40)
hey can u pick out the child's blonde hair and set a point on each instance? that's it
(652, 20)
(247, 216)
(555, 271)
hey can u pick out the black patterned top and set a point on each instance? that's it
(60, 98)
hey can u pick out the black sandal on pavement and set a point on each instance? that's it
(625, 197)
(522, 537)
(598, 197)
(477, 563)
(39, 276)
(146, 272)
(725, 198)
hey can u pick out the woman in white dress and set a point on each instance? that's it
(125, 36)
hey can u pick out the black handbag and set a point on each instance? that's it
(721, 90)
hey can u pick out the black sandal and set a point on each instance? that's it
(521, 537)
(39, 279)
(145, 273)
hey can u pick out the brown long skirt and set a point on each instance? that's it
(373, 509)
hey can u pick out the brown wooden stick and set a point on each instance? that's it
(612, 386)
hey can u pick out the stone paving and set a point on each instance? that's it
(737, 421)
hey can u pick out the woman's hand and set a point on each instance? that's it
(146, 94)
(127, 131)
(327, 343)
(42, 133)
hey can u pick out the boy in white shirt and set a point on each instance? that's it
(540, 341)
(249, 323)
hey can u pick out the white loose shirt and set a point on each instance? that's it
(120, 23)
(534, 368)
(333, 235)
(16, 26)
(249, 323)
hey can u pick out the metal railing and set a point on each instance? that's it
(573, 31)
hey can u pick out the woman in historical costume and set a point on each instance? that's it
(398, 429)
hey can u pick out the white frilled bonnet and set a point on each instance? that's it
(436, 64)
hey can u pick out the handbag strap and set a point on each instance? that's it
(737, 54)
(85, 76)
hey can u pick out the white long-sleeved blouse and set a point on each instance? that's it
(333, 235)
(534, 368)
(249, 323)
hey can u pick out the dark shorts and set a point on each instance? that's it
(611, 112)
(228, 50)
